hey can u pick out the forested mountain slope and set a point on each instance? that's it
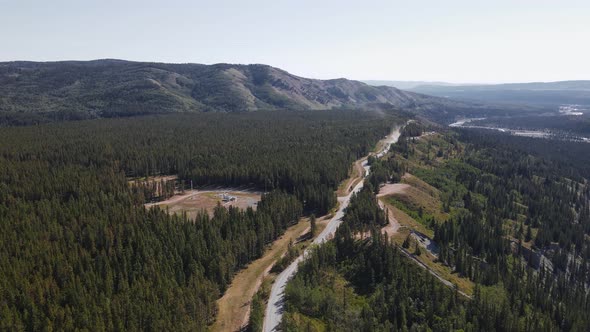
(33, 92)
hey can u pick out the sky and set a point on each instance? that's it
(456, 41)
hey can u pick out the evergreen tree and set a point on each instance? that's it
(406, 243)
(529, 234)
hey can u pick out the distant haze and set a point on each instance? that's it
(448, 41)
(406, 85)
(550, 94)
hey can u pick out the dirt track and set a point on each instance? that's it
(174, 199)
(393, 225)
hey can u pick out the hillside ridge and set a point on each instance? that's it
(70, 90)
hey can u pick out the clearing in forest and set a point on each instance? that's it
(193, 201)
(410, 204)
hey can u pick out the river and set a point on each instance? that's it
(547, 134)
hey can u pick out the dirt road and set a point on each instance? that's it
(393, 225)
(275, 307)
(234, 305)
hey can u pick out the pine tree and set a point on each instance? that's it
(529, 234)
(417, 250)
(406, 243)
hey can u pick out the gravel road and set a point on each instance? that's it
(275, 307)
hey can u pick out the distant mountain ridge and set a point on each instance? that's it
(106, 88)
(546, 94)
(407, 85)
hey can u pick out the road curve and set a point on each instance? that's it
(275, 306)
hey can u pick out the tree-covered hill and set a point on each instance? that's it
(32, 92)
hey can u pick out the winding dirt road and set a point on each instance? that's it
(275, 307)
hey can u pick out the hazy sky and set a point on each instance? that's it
(457, 41)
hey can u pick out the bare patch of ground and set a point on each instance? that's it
(405, 221)
(393, 227)
(357, 173)
(392, 188)
(385, 190)
(193, 201)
